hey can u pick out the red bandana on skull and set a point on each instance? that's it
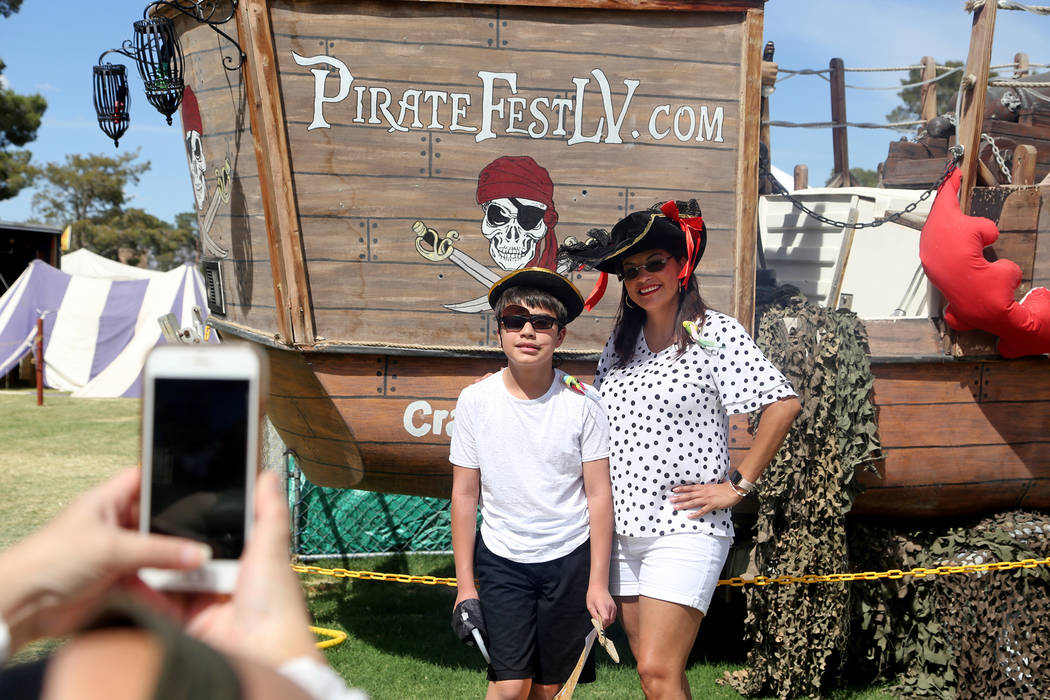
(521, 176)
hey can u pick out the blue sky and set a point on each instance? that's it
(49, 47)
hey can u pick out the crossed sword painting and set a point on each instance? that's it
(469, 625)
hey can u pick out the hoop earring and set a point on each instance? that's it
(627, 302)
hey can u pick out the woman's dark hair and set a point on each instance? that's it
(691, 306)
(631, 318)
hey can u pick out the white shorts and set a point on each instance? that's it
(680, 568)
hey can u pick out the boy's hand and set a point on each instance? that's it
(601, 605)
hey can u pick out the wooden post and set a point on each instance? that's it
(1020, 65)
(928, 103)
(975, 87)
(839, 139)
(287, 256)
(801, 177)
(38, 346)
(1023, 172)
(769, 79)
(743, 293)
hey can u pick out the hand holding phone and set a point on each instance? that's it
(201, 417)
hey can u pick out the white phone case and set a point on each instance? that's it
(229, 361)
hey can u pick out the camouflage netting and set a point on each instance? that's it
(334, 522)
(974, 635)
(799, 632)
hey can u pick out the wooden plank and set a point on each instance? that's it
(446, 201)
(1016, 381)
(912, 337)
(272, 157)
(1041, 261)
(983, 464)
(912, 173)
(927, 383)
(392, 240)
(291, 380)
(357, 151)
(969, 425)
(743, 290)
(1023, 170)
(646, 5)
(968, 133)
(939, 501)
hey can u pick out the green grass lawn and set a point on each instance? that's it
(400, 645)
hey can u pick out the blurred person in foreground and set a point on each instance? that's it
(77, 575)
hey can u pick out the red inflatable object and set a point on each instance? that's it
(980, 294)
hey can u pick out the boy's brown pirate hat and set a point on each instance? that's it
(541, 278)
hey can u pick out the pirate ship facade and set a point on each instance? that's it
(375, 166)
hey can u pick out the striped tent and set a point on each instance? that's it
(97, 331)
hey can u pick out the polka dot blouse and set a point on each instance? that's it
(669, 422)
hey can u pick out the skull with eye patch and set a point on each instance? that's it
(198, 166)
(513, 227)
(192, 130)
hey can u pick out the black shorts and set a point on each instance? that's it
(536, 615)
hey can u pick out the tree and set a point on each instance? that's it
(88, 192)
(912, 96)
(86, 187)
(20, 117)
(135, 237)
(862, 176)
(9, 7)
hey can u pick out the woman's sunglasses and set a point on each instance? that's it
(540, 322)
(629, 273)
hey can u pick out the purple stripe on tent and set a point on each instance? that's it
(46, 287)
(135, 390)
(176, 306)
(116, 325)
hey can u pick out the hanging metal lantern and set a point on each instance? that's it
(158, 55)
(111, 99)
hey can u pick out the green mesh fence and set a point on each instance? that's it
(334, 522)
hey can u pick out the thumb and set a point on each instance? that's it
(270, 529)
(133, 550)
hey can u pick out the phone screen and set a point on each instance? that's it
(200, 443)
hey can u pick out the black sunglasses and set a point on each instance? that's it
(540, 322)
(629, 273)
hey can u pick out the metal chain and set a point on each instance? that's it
(998, 157)
(781, 190)
(736, 581)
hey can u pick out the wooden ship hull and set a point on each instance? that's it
(339, 177)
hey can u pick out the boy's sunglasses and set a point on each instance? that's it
(629, 273)
(540, 322)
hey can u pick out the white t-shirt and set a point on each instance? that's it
(669, 422)
(531, 455)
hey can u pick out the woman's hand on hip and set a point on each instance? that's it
(704, 498)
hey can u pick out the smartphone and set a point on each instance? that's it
(201, 426)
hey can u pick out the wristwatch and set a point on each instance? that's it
(740, 485)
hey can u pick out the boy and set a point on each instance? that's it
(533, 450)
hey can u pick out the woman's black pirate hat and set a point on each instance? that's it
(664, 228)
(541, 278)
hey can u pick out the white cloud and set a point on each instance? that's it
(46, 87)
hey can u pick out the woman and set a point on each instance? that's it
(670, 375)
